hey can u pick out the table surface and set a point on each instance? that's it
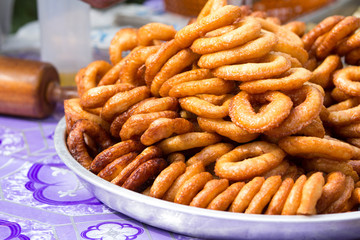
(40, 198)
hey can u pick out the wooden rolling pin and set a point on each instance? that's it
(30, 88)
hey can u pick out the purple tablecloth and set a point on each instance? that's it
(40, 198)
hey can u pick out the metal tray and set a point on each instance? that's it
(204, 223)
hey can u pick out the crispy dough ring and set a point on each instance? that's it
(293, 200)
(204, 108)
(98, 96)
(121, 101)
(211, 189)
(155, 31)
(243, 114)
(324, 26)
(344, 113)
(147, 154)
(279, 170)
(125, 39)
(110, 154)
(297, 27)
(246, 194)
(90, 76)
(162, 128)
(308, 102)
(173, 66)
(166, 178)
(156, 61)
(222, 17)
(191, 187)
(352, 57)
(278, 201)
(348, 44)
(292, 79)
(246, 30)
(312, 147)
(342, 29)
(137, 124)
(210, 7)
(331, 191)
(76, 140)
(188, 141)
(347, 80)
(210, 154)
(314, 129)
(188, 76)
(190, 171)
(311, 193)
(74, 111)
(351, 130)
(224, 199)
(256, 48)
(249, 160)
(339, 204)
(135, 59)
(145, 106)
(110, 171)
(322, 75)
(292, 49)
(268, 66)
(263, 197)
(216, 86)
(143, 173)
(227, 129)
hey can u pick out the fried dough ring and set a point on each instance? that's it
(110, 171)
(188, 76)
(322, 75)
(204, 108)
(351, 130)
(348, 44)
(268, 66)
(263, 197)
(256, 48)
(248, 160)
(124, 39)
(297, 27)
(121, 101)
(224, 199)
(147, 154)
(210, 7)
(344, 113)
(211, 189)
(110, 154)
(246, 194)
(221, 17)
(210, 154)
(135, 59)
(293, 200)
(311, 193)
(143, 173)
(308, 109)
(243, 114)
(173, 66)
(166, 178)
(278, 201)
(227, 129)
(74, 111)
(90, 76)
(188, 141)
(192, 187)
(323, 27)
(352, 57)
(98, 96)
(246, 30)
(292, 49)
(190, 171)
(339, 204)
(216, 86)
(76, 140)
(311, 147)
(292, 79)
(347, 80)
(162, 128)
(137, 124)
(331, 191)
(342, 29)
(155, 31)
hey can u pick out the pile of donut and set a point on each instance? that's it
(234, 112)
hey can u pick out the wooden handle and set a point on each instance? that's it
(23, 87)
